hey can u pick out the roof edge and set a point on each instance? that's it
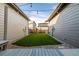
(13, 5)
(59, 8)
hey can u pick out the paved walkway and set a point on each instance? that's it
(39, 52)
(31, 52)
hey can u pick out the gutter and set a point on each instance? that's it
(14, 6)
(59, 8)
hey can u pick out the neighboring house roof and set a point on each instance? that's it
(14, 6)
(32, 22)
(42, 24)
(59, 8)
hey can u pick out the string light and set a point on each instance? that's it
(30, 4)
(37, 11)
(40, 10)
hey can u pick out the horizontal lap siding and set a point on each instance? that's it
(15, 26)
(1, 21)
(67, 26)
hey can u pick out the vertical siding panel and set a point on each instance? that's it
(5, 22)
(1, 21)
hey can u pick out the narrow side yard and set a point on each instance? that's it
(36, 39)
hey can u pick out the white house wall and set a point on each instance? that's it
(67, 26)
(43, 28)
(32, 25)
(16, 25)
(52, 23)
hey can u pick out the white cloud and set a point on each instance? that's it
(41, 16)
(38, 18)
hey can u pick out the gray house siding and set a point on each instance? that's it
(67, 26)
(1, 21)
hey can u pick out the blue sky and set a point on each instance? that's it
(39, 12)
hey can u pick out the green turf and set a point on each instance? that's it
(37, 39)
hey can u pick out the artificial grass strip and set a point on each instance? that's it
(37, 39)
